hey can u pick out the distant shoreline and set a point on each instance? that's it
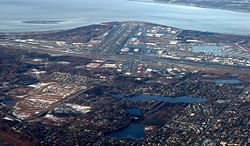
(194, 5)
(43, 22)
(104, 23)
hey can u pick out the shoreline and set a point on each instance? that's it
(103, 23)
(194, 5)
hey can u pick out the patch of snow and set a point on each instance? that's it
(7, 118)
(79, 108)
(38, 85)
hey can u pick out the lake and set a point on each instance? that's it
(208, 49)
(133, 130)
(31, 15)
(220, 81)
(135, 111)
(181, 99)
(7, 101)
(136, 130)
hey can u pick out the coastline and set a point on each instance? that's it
(193, 5)
(180, 16)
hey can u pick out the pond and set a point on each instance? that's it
(133, 130)
(134, 111)
(208, 49)
(220, 81)
(136, 130)
(7, 101)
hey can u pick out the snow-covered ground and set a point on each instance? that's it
(79, 108)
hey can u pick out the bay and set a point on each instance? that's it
(75, 13)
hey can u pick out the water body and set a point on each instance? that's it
(134, 111)
(182, 99)
(42, 22)
(208, 49)
(233, 75)
(76, 13)
(133, 130)
(220, 81)
(136, 130)
(220, 50)
(7, 101)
